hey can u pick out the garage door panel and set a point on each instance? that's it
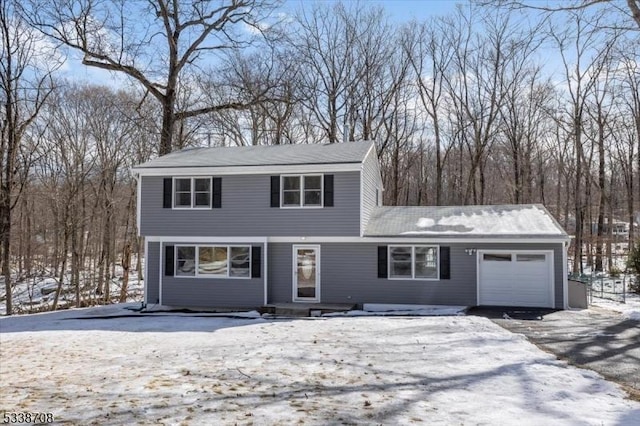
(522, 281)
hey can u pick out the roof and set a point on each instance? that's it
(263, 155)
(504, 221)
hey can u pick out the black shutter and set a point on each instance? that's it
(256, 261)
(169, 260)
(328, 190)
(167, 193)
(217, 193)
(382, 262)
(275, 191)
(445, 270)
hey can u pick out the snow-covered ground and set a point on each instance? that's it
(36, 294)
(630, 309)
(192, 369)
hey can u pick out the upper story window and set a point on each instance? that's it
(192, 193)
(302, 191)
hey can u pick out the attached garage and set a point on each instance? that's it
(515, 278)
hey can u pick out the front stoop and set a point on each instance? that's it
(305, 309)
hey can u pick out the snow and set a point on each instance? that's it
(37, 293)
(164, 368)
(425, 222)
(629, 310)
(525, 221)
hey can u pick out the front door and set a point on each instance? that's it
(306, 273)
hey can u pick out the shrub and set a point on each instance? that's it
(615, 272)
(633, 263)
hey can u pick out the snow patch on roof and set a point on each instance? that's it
(531, 220)
(425, 222)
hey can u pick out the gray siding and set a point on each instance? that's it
(349, 275)
(213, 292)
(370, 182)
(246, 211)
(152, 278)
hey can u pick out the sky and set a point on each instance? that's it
(399, 11)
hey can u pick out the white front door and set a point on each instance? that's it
(306, 273)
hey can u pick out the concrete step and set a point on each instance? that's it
(304, 309)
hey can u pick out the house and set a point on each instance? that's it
(241, 227)
(619, 229)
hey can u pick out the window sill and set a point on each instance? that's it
(192, 208)
(203, 277)
(413, 279)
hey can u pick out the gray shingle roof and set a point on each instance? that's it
(523, 220)
(263, 155)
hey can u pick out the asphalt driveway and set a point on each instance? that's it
(594, 338)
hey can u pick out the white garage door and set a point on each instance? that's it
(515, 279)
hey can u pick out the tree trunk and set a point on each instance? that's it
(168, 123)
(601, 185)
(126, 264)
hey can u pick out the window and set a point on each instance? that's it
(192, 193)
(302, 191)
(531, 258)
(496, 257)
(185, 261)
(413, 262)
(425, 261)
(240, 262)
(213, 261)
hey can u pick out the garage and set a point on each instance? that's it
(515, 278)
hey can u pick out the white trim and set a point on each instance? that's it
(301, 191)
(477, 277)
(362, 197)
(196, 262)
(294, 279)
(146, 270)
(371, 148)
(192, 190)
(265, 270)
(565, 277)
(355, 239)
(138, 203)
(413, 263)
(247, 170)
(197, 240)
(161, 268)
(549, 253)
(412, 240)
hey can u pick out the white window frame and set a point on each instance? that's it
(212, 276)
(175, 260)
(301, 205)
(193, 193)
(413, 262)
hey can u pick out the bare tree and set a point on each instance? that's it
(430, 57)
(581, 49)
(607, 7)
(26, 66)
(157, 43)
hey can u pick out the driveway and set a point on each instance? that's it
(594, 338)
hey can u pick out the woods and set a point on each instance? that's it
(493, 103)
